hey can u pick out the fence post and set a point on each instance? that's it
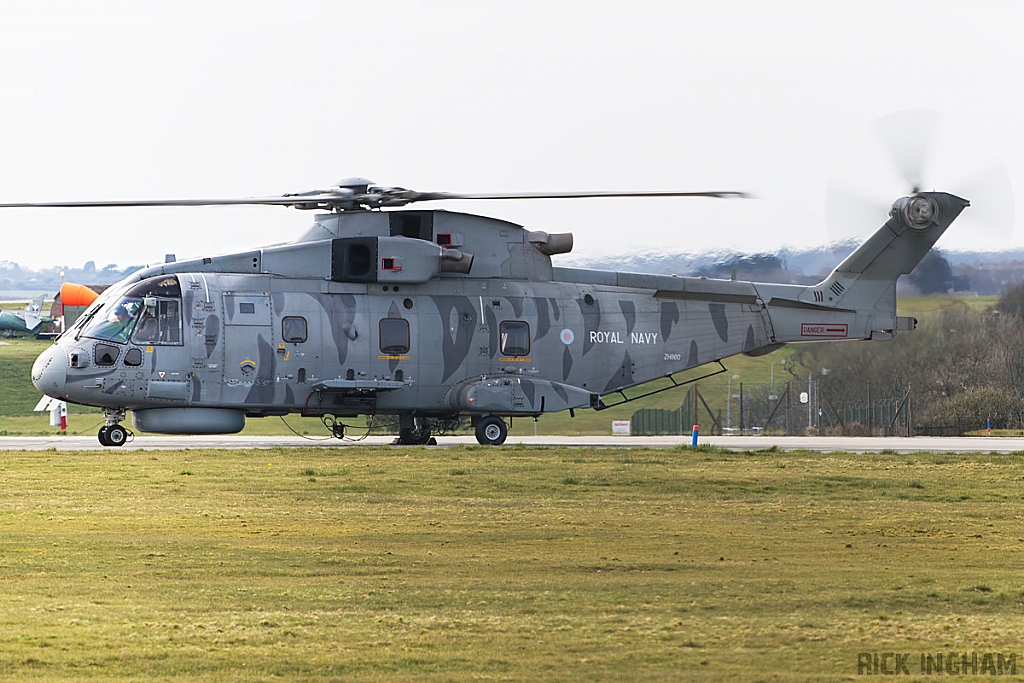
(741, 408)
(871, 414)
(910, 409)
(789, 408)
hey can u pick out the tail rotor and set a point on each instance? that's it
(907, 139)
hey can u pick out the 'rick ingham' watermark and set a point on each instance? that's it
(937, 663)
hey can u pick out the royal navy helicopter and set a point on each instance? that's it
(434, 316)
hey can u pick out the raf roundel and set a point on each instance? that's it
(567, 336)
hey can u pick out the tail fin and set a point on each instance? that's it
(915, 224)
(33, 312)
(36, 305)
(858, 299)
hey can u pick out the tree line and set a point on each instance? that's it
(965, 366)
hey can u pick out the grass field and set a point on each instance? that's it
(464, 564)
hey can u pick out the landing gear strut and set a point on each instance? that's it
(491, 431)
(112, 433)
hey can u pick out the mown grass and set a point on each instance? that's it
(511, 564)
(19, 397)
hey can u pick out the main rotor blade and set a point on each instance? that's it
(427, 196)
(343, 198)
(281, 201)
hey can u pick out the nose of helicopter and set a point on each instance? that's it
(50, 371)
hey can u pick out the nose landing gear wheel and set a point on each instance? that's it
(491, 431)
(117, 435)
(112, 435)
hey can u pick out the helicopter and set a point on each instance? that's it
(433, 316)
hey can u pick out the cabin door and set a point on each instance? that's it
(249, 349)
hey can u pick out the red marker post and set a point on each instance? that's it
(696, 429)
(58, 414)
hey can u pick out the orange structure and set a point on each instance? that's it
(76, 295)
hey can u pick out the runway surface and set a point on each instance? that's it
(741, 443)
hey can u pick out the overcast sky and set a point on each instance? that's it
(143, 100)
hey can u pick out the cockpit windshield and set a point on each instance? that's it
(83, 320)
(114, 322)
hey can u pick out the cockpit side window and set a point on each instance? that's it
(160, 322)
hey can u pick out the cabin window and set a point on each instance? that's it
(105, 354)
(133, 357)
(515, 338)
(293, 329)
(394, 336)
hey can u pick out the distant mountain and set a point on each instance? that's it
(974, 272)
(786, 265)
(15, 278)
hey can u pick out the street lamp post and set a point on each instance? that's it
(810, 400)
(728, 403)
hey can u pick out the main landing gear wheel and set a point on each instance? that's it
(491, 431)
(112, 435)
(418, 436)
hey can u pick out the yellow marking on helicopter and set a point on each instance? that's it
(394, 357)
(515, 360)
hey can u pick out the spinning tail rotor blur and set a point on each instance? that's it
(908, 140)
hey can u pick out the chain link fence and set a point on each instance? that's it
(792, 408)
